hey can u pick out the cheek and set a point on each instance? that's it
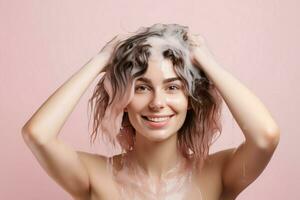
(178, 103)
(136, 105)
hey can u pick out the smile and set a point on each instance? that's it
(156, 119)
(157, 122)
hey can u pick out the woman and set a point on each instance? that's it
(158, 100)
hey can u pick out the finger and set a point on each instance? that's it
(141, 29)
(101, 74)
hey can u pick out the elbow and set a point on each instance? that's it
(27, 133)
(270, 138)
(31, 136)
(273, 134)
(27, 130)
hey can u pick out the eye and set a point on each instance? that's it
(141, 88)
(174, 87)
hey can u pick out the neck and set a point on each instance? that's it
(156, 158)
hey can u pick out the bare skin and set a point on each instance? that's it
(86, 178)
(103, 187)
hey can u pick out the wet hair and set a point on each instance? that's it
(128, 62)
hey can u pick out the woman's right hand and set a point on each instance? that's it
(102, 58)
(105, 54)
(108, 49)
(110, 46)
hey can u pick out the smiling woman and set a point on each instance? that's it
(157, 50)
(159, 99)
(159, 111)
(161, 103)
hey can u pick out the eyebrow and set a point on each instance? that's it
(146, 80)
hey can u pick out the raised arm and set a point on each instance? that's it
(41, 131)
(245, 163)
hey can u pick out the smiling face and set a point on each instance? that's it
(159, 105)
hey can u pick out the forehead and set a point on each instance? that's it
(159, 69)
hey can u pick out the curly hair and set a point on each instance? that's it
(129, 62)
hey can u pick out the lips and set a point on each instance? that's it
(156, 121)
(157, 118)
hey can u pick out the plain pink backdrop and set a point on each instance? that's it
(44, 42)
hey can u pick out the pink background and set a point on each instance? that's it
(44, 42)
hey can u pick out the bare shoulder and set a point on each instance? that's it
(102, 185)
(219, 158)
(91, 158)
(215, 162)
(96, 166)
(96, 160)
(209, 177)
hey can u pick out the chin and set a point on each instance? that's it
(158, 136)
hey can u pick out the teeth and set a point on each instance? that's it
(159, 119)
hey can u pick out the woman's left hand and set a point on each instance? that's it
(199, 51)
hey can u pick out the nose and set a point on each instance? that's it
(157, 102)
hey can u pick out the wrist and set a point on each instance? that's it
(101, 59)
(98, 62)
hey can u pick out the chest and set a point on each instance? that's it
(201, 186)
